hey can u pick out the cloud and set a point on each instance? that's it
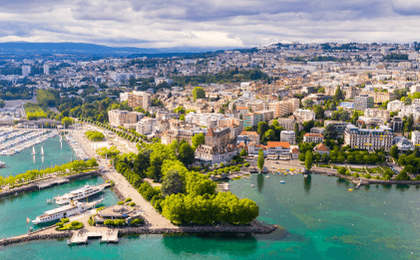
(210, 23)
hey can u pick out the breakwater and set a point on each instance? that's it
(33, 186)
(253, 228)
(21, 239)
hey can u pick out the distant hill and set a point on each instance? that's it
(87, 48)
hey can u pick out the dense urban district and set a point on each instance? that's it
(345, 109)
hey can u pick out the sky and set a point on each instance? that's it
(209, 23)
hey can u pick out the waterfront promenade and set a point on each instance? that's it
(151, 216)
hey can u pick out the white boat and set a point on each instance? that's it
(65, 211)
(84, 192)
(282, 182)
(42, 150)
(33, 150)
(2, 164)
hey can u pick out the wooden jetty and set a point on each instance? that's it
(48, 183)
(82, 236)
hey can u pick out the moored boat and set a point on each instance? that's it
(84, 192)
(65, 211)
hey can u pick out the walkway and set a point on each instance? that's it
(151, 216)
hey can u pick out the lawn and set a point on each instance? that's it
(33, 111)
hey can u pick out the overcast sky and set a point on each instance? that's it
(209, 23)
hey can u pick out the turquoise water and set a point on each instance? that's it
(323, 220)
(55, 154)
(15, 210)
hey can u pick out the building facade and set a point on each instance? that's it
(368, 139)
(288, 136)
(137, 99)
(363, 102)
(310, 137)
(120, 117)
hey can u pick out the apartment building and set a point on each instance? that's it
(120, 117)
(379, 113)
(396, 124)
(395, 105)
(137, 99)
(368, 139)
(415, 137)
(311, 137)
(278, 150)
(363, 102)
(288, 136)
(247, 137)
(146, 125)
(252, 119)
(304, 115)
(282, 108)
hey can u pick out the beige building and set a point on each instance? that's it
(311, 137)
(282, 108)
(146, 126)
(383, 114)
(137, 99)
(120, 117)
(304, 115)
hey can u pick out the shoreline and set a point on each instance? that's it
(253, 229)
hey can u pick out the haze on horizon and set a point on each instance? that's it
(210, 23)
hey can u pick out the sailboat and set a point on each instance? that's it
(33, 150)
(42, 150)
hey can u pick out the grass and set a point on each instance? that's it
(357, 169)
(324, 165)
(373, 170)
(33, 111)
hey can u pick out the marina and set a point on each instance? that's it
(82, 236)
(15, 209)
(55, 153)
(18, 141)
(77, 148)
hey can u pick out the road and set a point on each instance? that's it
(151, 216)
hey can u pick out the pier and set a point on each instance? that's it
(51, 182)
(82, 237)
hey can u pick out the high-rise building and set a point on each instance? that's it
(363, 102)
(26, 70)
(46, 69)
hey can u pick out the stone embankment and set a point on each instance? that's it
(365, 181)
(28, 238)
(253, 228)
(32, 186)
(260, 229)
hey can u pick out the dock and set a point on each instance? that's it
(82, 237)
(48, 183)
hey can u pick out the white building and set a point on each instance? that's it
(26, 70)
(304, 115)
(288, 136)
(311, 137)
(415, 137)
(46, 69)
(395, 105)
(146, 126)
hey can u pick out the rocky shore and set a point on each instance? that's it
(253, 228)
(21, 239)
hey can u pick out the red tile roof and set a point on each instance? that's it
(313, 135)
(277, 144)
(321, 147)
(249, 133)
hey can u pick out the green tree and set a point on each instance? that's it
(319, 112)
(172, 183)
(308, 103)
(66, 121)
(394, 152)
(198, 139)
(338, 94)
(262, 128)
(198, 92)
(186, 154)
(260, 161)
(132, 81)
(297, 132)
(308, 160)
(243, 152)
(2, 103)
(330, 132)
(403, 176)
